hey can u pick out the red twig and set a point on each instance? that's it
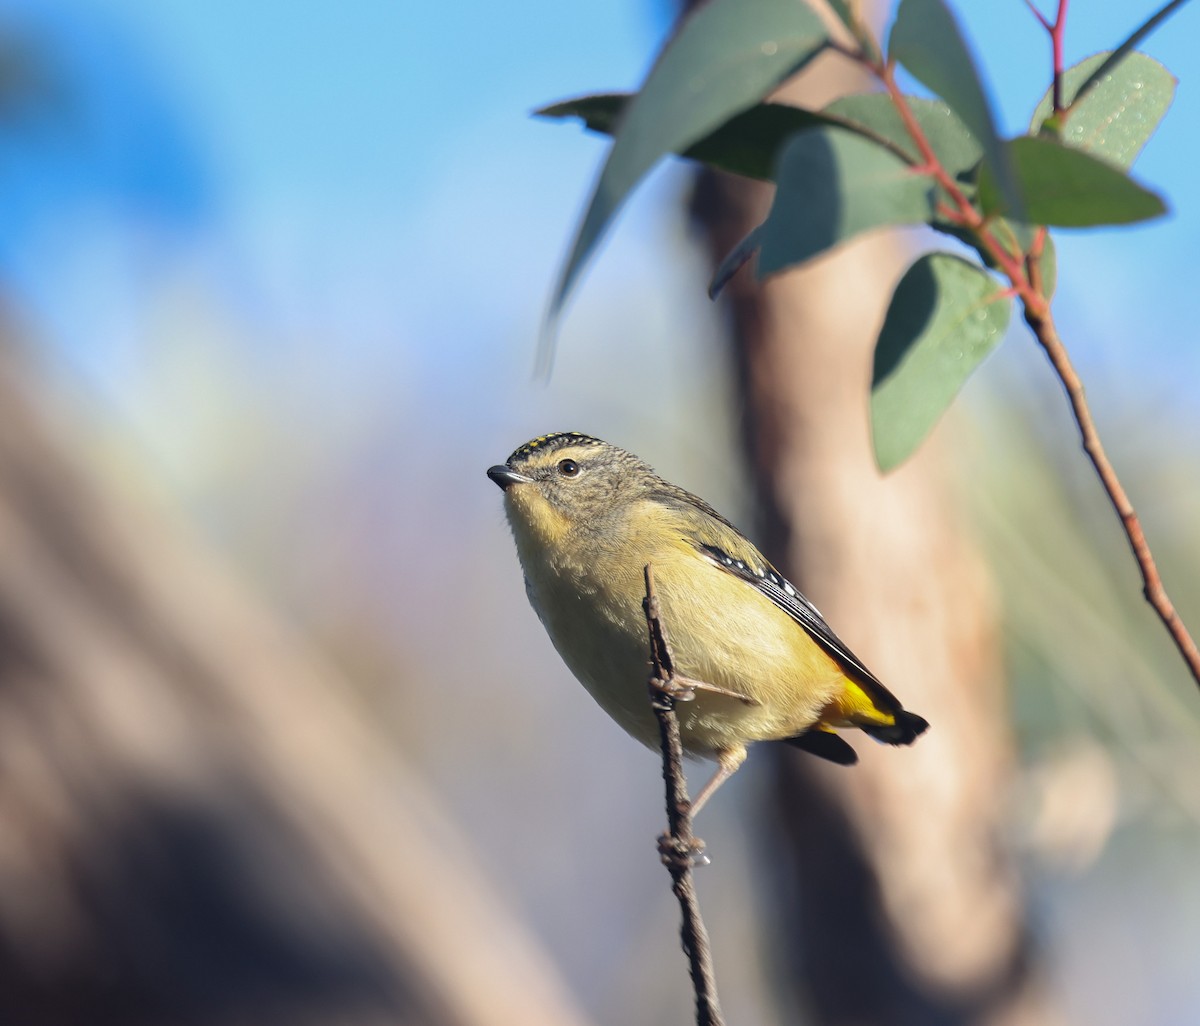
(1039, 15)
(1056, 44)
(1056, 29)
(1023, 270)
(964, 213)
(1044, 330)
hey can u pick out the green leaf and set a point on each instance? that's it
(725, 57)
(1048, 265)
(747, 144)
(926, 40)
(1116, 118)
(737, 258)
(849, 15)
(599, 112)
(1016, 237)
(1069, 188)
(964, 235)
(1117, 55)
(844, 12)
(832, 185)
(945, 316)
(875, 115)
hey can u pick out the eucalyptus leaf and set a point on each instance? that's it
(925, 38)
(844, 12)
(875, 114)
(1069, 188)
(1116, 118)
(747, 144)
(599, 112)
(1132, 40)
(850, 16)
(945, 316)
(726, 56)
(832, 185)
(737, 258)
(1048, 266)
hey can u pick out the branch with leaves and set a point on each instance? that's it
(888, 158)
(679, 848)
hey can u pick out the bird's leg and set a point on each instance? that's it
(688, 687)
(728, 761)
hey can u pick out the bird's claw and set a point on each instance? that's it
(673, 851)
(673, 690)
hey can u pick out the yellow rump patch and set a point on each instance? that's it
(855, 707)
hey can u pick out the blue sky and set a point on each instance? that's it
(341, 170)
(269, 232)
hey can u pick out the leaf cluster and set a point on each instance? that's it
(888, 158)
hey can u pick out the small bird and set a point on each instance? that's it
(588, 517)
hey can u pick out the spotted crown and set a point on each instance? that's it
(548, 443)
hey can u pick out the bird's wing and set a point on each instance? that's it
(733, 553)
(749, 566)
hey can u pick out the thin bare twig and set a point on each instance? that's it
(1055, 29)
(963, 212)
(1120, 53)
(1024, 272)
(678, 847)
(1039, 318)
(1038, 14)
(1042, 324)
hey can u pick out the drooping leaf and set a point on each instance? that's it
(852, 19)
(964, 235)
(1016, 237)
(844, 12)
(830, 186)
(599, 112)
(926, 39)
(735, 260)
(726, 56)
(945, 316)
(1048, 266)
(1117, 55)
(747, 144)
(1069, 188)
(1118, 115)
(876, 115)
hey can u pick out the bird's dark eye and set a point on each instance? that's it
(568, 468)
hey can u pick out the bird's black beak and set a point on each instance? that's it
(505, 476)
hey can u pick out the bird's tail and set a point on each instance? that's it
(869, 706)
(904, 731)
(865, 703)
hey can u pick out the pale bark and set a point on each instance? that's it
(197, 827)
(902, 904)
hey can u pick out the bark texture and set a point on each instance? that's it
(197, 828)
(900, 902)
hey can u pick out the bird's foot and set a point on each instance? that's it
(675, 852)
(673, 689)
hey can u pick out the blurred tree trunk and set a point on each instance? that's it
(197, 828)
(899, 903)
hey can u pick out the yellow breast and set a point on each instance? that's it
(722, 630)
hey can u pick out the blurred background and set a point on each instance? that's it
(280, 739)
